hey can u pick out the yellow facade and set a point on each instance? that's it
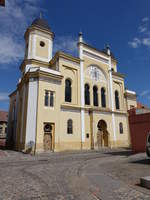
(39, 112)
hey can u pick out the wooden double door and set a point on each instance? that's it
(48, 140)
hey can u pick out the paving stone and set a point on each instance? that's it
(103, 175)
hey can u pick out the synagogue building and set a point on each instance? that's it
(63, 102)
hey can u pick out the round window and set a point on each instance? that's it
(42, 44)
(47, 128)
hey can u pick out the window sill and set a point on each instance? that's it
(48, 107)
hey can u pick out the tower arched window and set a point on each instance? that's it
(68, 92)
(121, 127)
(70, 126)
(103, 97)
(87, 94)
(95, 96)
(117, 103)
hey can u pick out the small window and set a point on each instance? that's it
(47, 128)
(87, 135)
(87, 94)
(6, 130)
(46, 98)
(103, 98)
(95, 96)
(42, 44)
(68, 90)
(121, 127)
(1, 130)
(70, 126)
(51, 99)
(117, 103)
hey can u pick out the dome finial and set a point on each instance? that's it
(80, 36)
(108, 49)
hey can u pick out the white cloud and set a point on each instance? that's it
(4, 96)
(135, 43)
(142, 29)
(10, 50)
(146, 41)
(145, 19)
(14, 19)
(145, 92)
(66, 43)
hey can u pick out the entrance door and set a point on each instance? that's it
(103, 138)
(48, 136)
(47, 141)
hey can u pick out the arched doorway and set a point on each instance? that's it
(102, 135)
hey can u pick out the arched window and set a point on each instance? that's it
(68, 90)
(117, 100)
(121, 127)
(70, 126)
(103, 97)
(87, 94)
(95, 96)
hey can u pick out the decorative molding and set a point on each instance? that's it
(117, 74)
(95, 73)
(95, 56)
(70, 61)
(66, 56)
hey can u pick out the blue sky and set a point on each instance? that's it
(125, 25)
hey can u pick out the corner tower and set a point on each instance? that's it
(39, 41)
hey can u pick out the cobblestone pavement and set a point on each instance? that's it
(98, 175)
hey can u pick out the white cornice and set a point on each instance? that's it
(31, 68)
(131, 92)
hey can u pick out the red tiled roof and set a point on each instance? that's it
(141, 106)
(3, 116)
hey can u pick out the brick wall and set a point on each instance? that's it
(139, 129)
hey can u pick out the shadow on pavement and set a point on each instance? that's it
(120, 153)
(143, 162)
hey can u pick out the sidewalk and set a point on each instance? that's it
(10, 155)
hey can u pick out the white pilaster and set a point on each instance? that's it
(22, 115)
(50, 50)
(82, 87)
(33, 46)
(16, 116)
(29, 48)
(31, 111)
(111, 96)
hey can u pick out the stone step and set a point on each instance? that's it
(145, 182)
